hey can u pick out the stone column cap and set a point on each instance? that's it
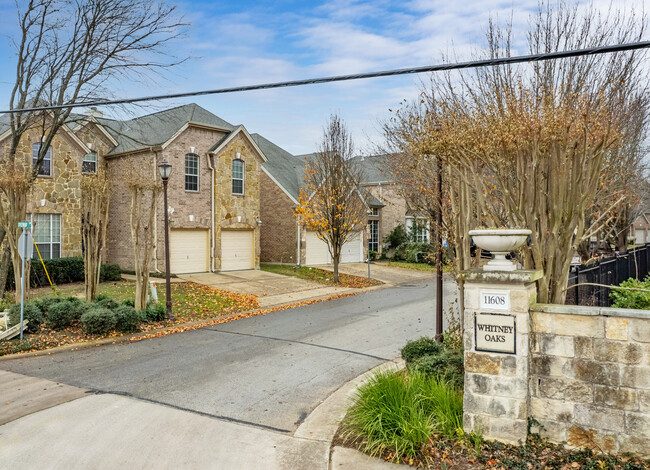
(522, 276)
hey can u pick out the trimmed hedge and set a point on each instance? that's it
(127, 320)
(66, 313)
(420, 347)
(63, 271)
(447, 366)
(155, 312)
(31, 312)
(98, 321)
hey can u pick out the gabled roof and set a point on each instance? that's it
(286, 169)
(375, 168)
(156, 129)
(223, 142)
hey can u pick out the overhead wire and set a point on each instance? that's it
(357, 76)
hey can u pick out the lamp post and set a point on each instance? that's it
(165, 170)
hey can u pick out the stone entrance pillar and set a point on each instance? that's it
(497, 325)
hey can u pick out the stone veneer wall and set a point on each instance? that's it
(590, 376)
(237, 212)
(496, 399)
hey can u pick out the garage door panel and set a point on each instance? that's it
(351, 251)
(236, 250)
(318, 253)
(188, 251)
(316, 250)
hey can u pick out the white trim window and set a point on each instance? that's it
(191, 172)
(374, 235)
(46, 167)
(418, 229)
(89, 165)
(47, 235)
(238, 176)
(374, 211)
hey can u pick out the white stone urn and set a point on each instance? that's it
(499, 242)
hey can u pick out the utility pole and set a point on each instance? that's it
(439, 254)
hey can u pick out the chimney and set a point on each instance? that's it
(94, 112)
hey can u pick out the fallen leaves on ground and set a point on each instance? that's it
(195, 306)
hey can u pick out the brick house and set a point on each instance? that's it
(214, 188)
(285, 241)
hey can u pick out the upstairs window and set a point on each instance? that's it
(238, 177)
(374, 211)
(89, 164)
(46, 167)
(191, 172)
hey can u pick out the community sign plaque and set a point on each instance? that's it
(495, 332)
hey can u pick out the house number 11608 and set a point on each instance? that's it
(498, 300)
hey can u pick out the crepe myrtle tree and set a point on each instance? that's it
(330, 203)
(546, 146)
(69, 52)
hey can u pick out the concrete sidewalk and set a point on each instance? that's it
(107, 431)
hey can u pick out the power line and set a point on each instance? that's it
(358, 76)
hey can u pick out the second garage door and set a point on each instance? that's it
(236, 250)
(188, 251)
(351, 251)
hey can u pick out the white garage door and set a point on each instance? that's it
(352, 251)
(316, 250)
(236, 250)
(188, 251)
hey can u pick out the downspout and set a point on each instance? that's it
(211, 211)
(298, 259)
(155, 218)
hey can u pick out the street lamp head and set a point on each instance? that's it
(165, 170)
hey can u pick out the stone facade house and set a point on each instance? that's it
(214, 188)
(54, 205)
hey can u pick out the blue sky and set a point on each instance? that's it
(248, 42)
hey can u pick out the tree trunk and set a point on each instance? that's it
(4, 264)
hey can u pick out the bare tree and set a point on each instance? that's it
(144, 195)
(95, 191)
(330, 203)
(69, 52)
(538, 146)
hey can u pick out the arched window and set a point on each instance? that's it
(238, 176)
(191, 172)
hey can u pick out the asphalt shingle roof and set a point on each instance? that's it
(287, 169)
(158, 128)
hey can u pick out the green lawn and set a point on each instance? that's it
(414, 266)
(318, 275)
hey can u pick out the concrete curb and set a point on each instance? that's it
(323, 422)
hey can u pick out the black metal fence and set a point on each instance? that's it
(610, 271)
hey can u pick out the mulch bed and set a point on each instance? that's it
(442, 453)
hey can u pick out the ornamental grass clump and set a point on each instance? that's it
(397, 413)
